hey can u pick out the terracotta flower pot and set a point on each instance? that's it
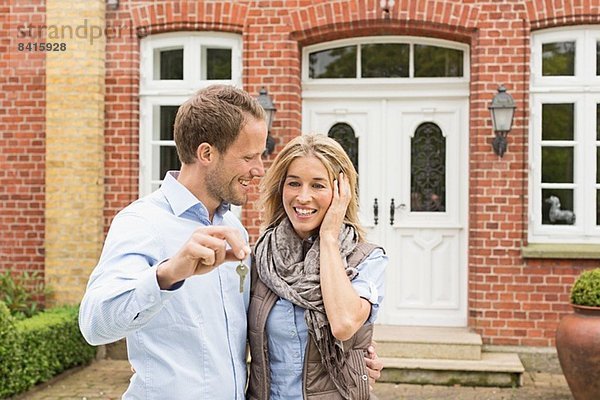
(578, 347)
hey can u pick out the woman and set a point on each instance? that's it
(316, 284)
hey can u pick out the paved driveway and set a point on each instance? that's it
(107, 379)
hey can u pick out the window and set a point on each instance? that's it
(173, 67)
(564, 200)
(386, 57)
(345, 136)
(428, 169)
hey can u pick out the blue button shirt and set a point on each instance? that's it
(287, 333)
(186, 343)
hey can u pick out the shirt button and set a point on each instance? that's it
(364, 377)
(151, 298)
(296, 354)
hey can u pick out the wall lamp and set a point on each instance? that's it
(112, 4)
(502, 109)
(267, 104)
(386, 6)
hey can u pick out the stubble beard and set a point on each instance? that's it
(219, 188)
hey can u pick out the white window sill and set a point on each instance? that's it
(554, 250)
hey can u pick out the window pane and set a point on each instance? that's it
(557, 164)
(558, 59)
(428, 169)
(167, 120)
(597, 58)
(553, 202)
(597, 121)
(598, 207)
(333, 63)
(597, 164)
(557, 121)
(168, 160)
(385, 60)
(344, 135)
(434, 61)
(218, 64)
(170, 65)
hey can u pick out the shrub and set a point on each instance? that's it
(586, 289)
(21, 292)
(34, 350)
(10, 353)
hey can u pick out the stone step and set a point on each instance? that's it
(427, 342)
(493, 369)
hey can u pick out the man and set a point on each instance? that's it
(186, 334)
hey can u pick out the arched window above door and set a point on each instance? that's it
(386, 57)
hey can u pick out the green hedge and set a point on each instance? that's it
(34, 350)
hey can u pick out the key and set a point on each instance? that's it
(242, 271)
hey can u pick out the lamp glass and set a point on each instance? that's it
(502, 119)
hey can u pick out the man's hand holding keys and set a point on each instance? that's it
(205, 250)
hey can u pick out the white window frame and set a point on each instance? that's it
(582, 90)
(154, 93)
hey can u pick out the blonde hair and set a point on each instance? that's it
(335, 160)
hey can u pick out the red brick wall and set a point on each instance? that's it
(22, 138)
(512, 301)
(121, 136)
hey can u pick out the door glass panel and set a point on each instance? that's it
(333, 63)
(170, 64)
(553, 202)
(428, 169)
(386, 60)
(557, 164)
(558, 121)
(218, 64)
(344, 135)
(435, 62)
(558, 59)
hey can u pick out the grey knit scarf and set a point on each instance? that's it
(292, 274)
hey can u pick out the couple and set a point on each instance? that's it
(316, 284)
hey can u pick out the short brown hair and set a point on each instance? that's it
(214, 115)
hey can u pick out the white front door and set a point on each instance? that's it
(413, 187)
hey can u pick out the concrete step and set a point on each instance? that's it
(493, 369)
(427, 342)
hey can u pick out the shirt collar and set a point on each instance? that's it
(181, 199)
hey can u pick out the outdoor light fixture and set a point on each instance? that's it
(502, 110)
(386, 6)
(112, 4)
(267, 104)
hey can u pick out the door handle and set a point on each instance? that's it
(393, 207)
(376, 211)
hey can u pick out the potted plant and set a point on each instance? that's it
(578, 338)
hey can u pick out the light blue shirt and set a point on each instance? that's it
(287, 333)
(186, 343)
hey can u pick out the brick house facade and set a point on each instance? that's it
(77, 128)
